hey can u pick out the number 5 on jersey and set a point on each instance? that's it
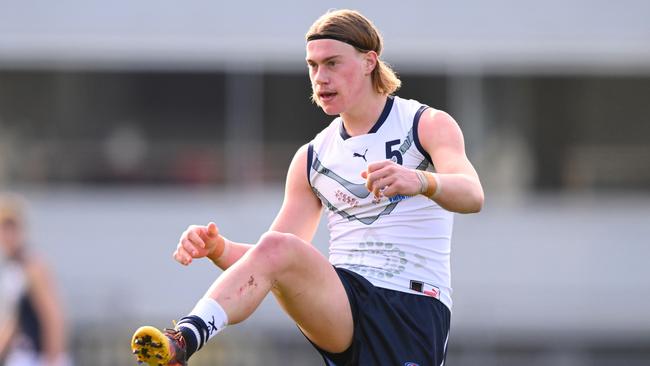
(394, 155)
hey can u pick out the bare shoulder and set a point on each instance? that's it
(301, 153)
(297, 184)
(300, 209)
(298, 167)
(36, 268)
(438, 128)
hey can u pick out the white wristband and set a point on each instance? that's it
(424, 184)
(427, 182)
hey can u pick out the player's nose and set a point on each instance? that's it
(320, 77)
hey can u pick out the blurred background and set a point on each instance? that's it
(124, 122)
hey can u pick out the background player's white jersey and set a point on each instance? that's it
(13, 284)
(400, 243)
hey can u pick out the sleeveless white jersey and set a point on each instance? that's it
(399, 243)
(13, 285)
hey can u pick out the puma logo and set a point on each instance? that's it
(357, 155)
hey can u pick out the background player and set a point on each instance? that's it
(390, 171)
(33, 331)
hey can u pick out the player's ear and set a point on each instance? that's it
(370, 61)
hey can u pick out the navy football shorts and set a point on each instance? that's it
(391, 327)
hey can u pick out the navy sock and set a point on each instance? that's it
(195, 332)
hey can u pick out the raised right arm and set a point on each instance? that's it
(299, 215)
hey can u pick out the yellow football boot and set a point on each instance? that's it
(158, 348)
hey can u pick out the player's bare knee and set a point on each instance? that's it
(277, 249)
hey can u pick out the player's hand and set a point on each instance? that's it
(198, 242)
(388, 178)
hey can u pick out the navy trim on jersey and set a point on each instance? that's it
(29, 323)
(384, 114)
(310, 157)
(344, 134)
(416, 138)
(382, 118)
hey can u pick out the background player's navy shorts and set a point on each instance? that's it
(391, 327)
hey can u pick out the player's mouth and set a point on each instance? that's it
(327, 97)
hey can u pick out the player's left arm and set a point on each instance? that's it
(459, 187)
(7, 331)
(455, 185)
(48, 309)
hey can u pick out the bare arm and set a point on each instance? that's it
(301, 209)
(460, 187)
(455, 185)
(7, 330)
(299, 215)
(48, 309)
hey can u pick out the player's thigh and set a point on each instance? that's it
(311, 292)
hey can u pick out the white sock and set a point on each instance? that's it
(213, 320)
(212, 314)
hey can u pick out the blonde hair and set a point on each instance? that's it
(12, 207)
(351, 27)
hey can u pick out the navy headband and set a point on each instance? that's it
(352, 43)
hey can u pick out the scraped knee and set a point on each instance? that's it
(279, 250)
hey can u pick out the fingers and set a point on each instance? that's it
(372, 167)
(195, 239)
(181, 256)
(382, 186)
(386, 178)
(379, 178)
(197, 242)
(191, 240)
(185, 252)
(190, 247)
(373, 181)
(194, 242)
(392, 188)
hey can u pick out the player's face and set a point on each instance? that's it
(10, 236)
(338, 74)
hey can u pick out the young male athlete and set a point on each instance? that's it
(390, 172)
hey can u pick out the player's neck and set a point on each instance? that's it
(359, 120)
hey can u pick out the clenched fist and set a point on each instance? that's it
(389, 179)
(198, 242)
